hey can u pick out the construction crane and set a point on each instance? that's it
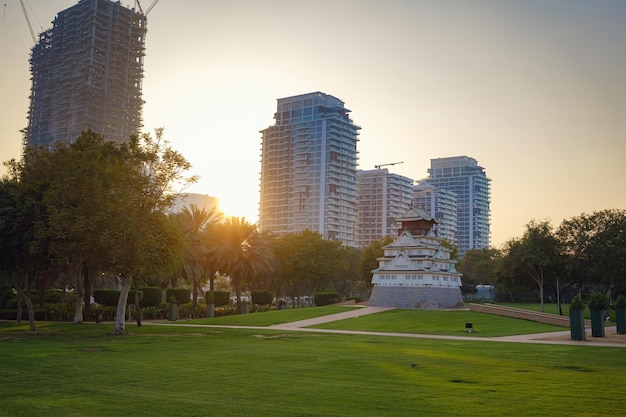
(148, 9)
(30, 27)
(385, 165)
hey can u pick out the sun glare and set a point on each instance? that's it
(238, 207)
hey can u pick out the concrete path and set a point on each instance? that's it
(357, 312)
(551, 338)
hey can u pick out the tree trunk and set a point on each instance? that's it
(121, 307)
(76, 270)
(238, 295)
(18, 318)
(29, 304)
(87, 288)
(137, 306)
(196, 286)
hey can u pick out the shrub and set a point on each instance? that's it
(221, 298)
(326, 297)
(106, 297)
(58, 311)
(131, 297)
(577, 303)
(262, 297)
(152, 296)
(157, 312)
(53, 296)
(356, 299)
(598, 301)
(620, 302)
(210, 299)
(181, 295)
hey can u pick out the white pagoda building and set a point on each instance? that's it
(416, 270)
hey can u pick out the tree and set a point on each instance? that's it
(20, 263)
(143, 238)
(242, 252)
(369, 261)
(536, 254)
(197, 226)
(308, 263)
(478, 266)
(595, 246)
(349, 279)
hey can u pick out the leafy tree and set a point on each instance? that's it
(308, 263)
(20, 262)
(536, 255)
(348, 280)
(595, 246)
(478, 266)
(369, 261)
(144, 240)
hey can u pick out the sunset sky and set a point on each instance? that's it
(534, 90)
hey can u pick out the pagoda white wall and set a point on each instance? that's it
(416, 280)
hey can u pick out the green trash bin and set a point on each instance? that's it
(577, 323)
(620, 320)
(597, 323)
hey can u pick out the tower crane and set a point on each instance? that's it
(148, 9)
(30, 27)
(385, 165)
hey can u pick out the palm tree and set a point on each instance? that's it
(196, 224)
(242, 252)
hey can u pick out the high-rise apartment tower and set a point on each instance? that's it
(463, 176)
(86, 73)
(382, 198)
(308, 169)
(442, 205)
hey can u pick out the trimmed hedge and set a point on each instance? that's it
(106, 297)
(262, 297)
(152, 296)
(325, 298)
(110, 298)
(220, 298)
(181, 295)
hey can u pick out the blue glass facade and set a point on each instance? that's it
(463, 176)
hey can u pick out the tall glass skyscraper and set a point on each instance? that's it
(308, 168)
(463, 176)
(86, 73)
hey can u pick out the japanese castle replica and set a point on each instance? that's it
(416, 270)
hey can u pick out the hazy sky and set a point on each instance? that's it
(533, 90)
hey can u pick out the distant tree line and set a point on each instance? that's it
(584, 254)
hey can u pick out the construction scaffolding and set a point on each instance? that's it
(87, 73)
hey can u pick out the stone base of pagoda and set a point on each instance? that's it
(430, 298)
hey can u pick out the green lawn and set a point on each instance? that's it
(269, 318)
(81, 370)
(442, 323)
(553, 309)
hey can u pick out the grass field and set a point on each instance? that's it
(81, 370)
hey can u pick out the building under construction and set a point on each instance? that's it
(86, 73)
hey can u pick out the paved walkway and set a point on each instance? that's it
(551, 338)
